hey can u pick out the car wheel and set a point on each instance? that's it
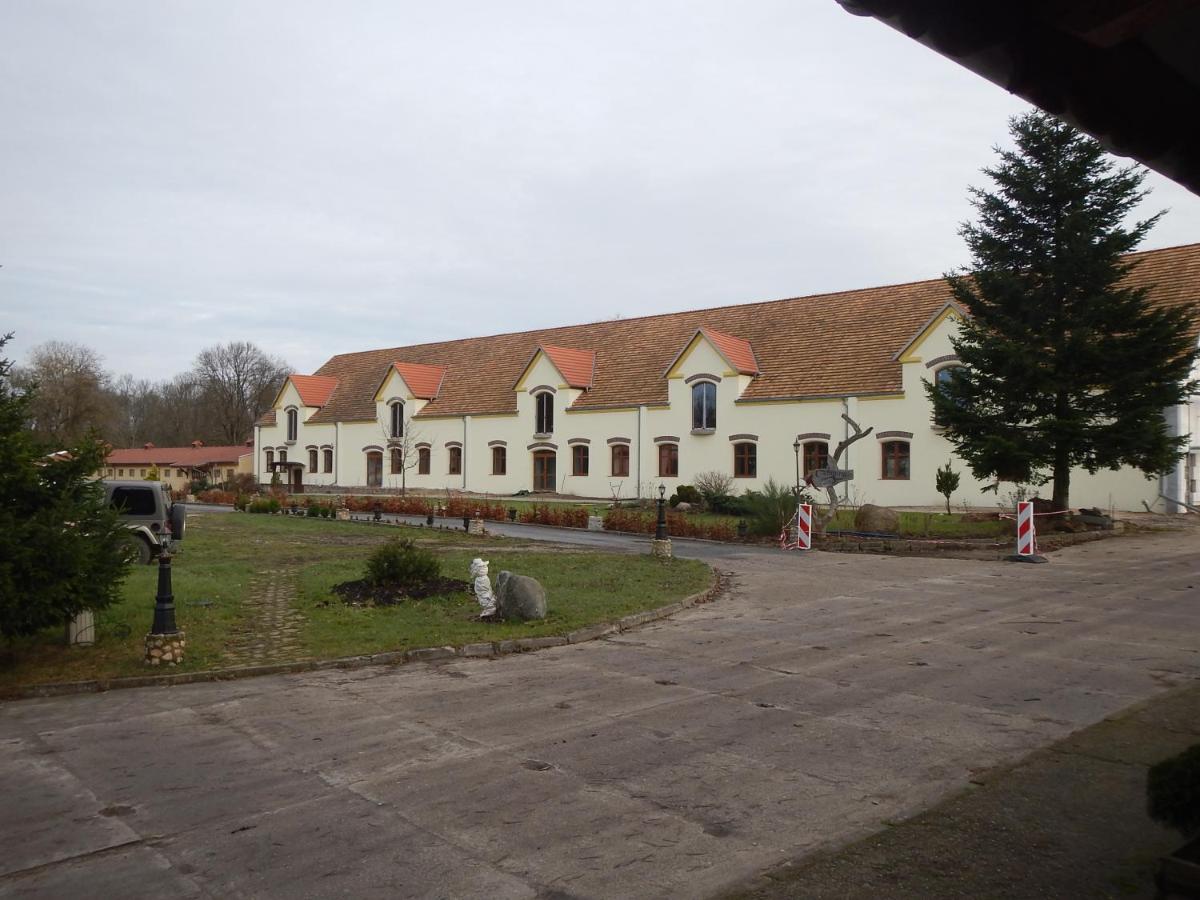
(142, 552)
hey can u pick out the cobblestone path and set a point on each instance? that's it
(271, 632)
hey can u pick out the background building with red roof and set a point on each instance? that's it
(180, 466)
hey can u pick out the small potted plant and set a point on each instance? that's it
(1173, 798)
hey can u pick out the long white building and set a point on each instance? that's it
(616, 408)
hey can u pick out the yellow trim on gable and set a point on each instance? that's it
(687, 351)
(910, 355)
(899, 396)
(538, 354)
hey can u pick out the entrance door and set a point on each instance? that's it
(543, 470)
(375, 469)
(296, 479)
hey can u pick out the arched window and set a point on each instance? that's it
(283, 456)
(422, 460)
(620, 460)
(816, 456)
(545, 412)
(397, 461)
(270, 454)
(312, 460)
(579, 459)
(895, 460)
(397, 419)
(455, 461)
(293, 424)
(704, 406)
(668, 460)
(745, 460)
(375, 468)
(499, 460)
(328, 454)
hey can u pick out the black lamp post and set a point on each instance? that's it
(378, 507)
(164, 600)
(796, 448)
(660, 529)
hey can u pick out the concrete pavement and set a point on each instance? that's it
(824, 696)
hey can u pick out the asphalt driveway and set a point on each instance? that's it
(822, 697)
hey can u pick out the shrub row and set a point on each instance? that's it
(555, 514)
(678, 525)
(216, 495)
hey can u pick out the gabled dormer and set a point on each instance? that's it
(404, 391)
(553, 379)
(298, 399)
(715, 356)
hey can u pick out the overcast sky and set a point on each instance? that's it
(329, 177)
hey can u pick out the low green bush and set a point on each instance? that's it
(401, 563)
(770, 509)
(1173, 792)
(685, 493)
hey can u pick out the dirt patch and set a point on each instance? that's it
(363, 593)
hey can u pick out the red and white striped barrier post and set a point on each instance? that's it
(1026, 531)
(1026, 535)
(804, 526)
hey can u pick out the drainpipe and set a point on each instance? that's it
(641, 413)
(466, 423)
(257, 451)
(337, 452)
(845, 463)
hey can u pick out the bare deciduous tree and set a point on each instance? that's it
(71, 395)
(237, 381)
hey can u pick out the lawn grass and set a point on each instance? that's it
(930, 524)
(225, 553)
(582, 588)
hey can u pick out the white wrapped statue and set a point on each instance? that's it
(483, 588)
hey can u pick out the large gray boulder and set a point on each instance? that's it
(520, 597)
(878, 519)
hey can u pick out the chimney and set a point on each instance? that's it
(148, 446)
(197, 444)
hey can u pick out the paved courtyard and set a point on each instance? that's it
(821, 698)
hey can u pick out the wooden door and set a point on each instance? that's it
(543, 470)
(375, 469)
(297, 479)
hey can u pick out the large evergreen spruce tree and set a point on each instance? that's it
(61, 549)
(1064, 364)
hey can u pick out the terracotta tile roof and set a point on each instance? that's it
(314, 390)
(578, 367)
(177, 456)
(822, 345)
(738, 353)
(423, 381)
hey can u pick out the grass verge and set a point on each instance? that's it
(225, 561)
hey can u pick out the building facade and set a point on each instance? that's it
(614, 409)
(179, 466)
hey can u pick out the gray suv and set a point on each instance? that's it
(147, 511)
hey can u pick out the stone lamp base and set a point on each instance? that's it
(165, 648)
(660, 549)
